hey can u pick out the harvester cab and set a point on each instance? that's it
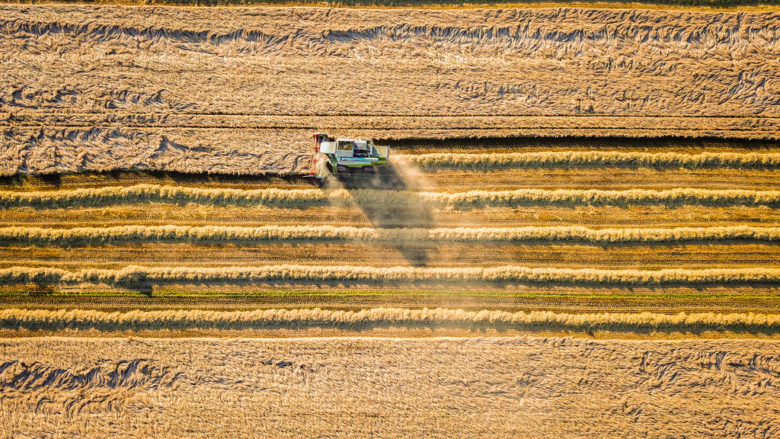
(346, 158)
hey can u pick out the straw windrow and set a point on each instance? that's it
(306, 198)
(510, 274)
(53, 320)
(574, 159)
(477, 235)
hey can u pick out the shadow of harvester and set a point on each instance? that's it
(388, 199)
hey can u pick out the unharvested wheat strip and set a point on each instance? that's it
(305, 198)
(595, 197)
(375, 317)
(495, 161)
(144, 193)
(134, 275)
(237, 234)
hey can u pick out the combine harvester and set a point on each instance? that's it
(347, 158)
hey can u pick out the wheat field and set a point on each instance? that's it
(239, 90)
(364, 387)
(577, 236)
(631, 236)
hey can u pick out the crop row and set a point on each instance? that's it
(143, 275)
(556, 159)
(595, 197)
(377, 317)
(237, 234)
(304, 198)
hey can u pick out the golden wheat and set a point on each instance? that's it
(152, 192)
(478, 386)
(683, 79)
(230, 234)
(305, 318)
(132, 274)
(595, 197)
(494, 161)
(304, 198)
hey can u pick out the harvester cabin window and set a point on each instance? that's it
(346, 146)
(360, 149)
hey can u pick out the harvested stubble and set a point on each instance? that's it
(54, 320)
(141, 275)
(357, 387)
(570, 159)
(305, 198)
(244, 235)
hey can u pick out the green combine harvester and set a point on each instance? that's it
(347, 158)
